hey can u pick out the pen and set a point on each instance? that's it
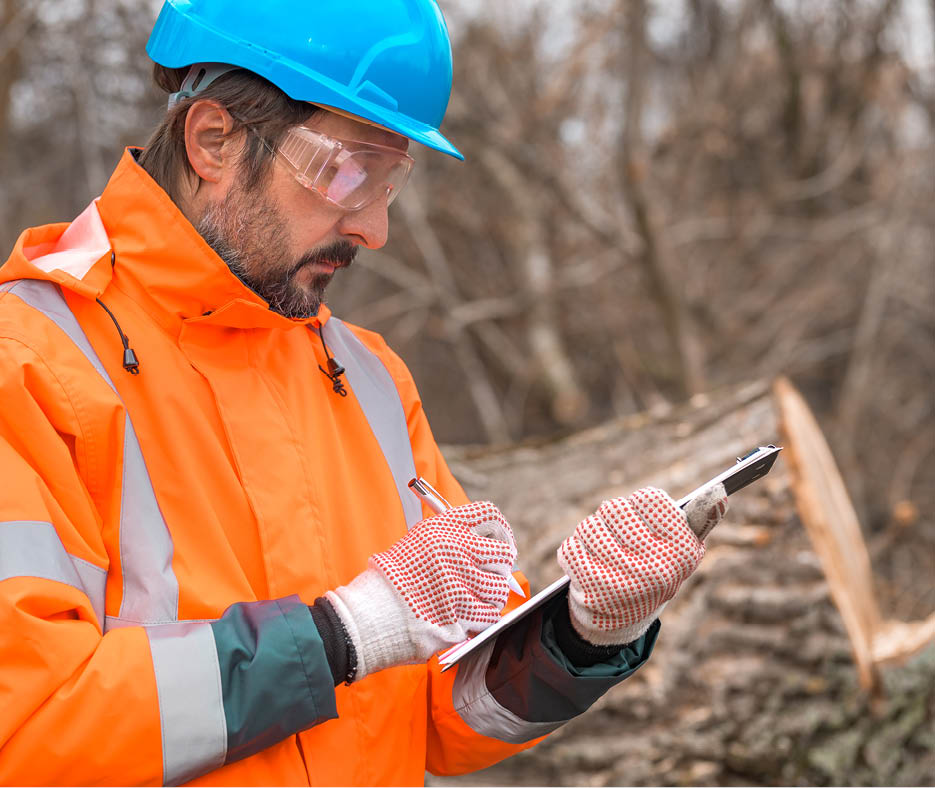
(434, 500)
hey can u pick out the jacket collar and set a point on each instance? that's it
(159, 259)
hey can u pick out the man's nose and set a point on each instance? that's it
(369, 226)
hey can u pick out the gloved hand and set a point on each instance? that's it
(445, 579)
(627, 560)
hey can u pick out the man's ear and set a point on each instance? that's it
(207, 129)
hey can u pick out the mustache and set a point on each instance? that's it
(340, 254)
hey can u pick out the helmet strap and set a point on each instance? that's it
(199, 76)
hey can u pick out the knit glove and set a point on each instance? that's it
(628, 559)
(444, 580)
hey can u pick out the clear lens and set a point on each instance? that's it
(348, 173)
(308, 153)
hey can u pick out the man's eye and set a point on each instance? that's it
(345, 180)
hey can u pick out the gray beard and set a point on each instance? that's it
(236, 233)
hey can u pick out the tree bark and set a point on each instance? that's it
(753, 680)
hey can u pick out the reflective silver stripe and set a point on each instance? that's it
(150, 587)
(378, 397)
(48, 299)
(94, 582)
(191, 704)
(31, 548)
(481, 711)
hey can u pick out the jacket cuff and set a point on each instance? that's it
(579, 651)
(622, 662)
(530, 675)
(339, 648)
(275, 677)
(523, 685)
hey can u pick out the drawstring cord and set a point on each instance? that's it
(335, 370)
(130, 362)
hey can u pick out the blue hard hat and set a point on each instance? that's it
(387, 61)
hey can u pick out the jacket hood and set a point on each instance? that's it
(135, 238)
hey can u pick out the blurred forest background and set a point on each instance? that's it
(660, 200)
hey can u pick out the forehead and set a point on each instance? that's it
(348, 128)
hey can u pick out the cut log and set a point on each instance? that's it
(829, 517)
(760, 675)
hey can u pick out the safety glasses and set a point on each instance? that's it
(347, 173)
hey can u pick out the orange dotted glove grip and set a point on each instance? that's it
(627, 560)
(452, 569)
(444, 580)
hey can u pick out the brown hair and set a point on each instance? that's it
(251, 101)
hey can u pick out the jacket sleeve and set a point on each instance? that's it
(85, 704)
(507, 696)
(520, 688)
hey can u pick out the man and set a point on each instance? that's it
(211, 567)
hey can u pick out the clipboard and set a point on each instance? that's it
(753, 465)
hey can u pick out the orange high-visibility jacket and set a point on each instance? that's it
(162, 533)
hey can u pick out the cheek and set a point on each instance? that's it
(310, 233)
(310, 221)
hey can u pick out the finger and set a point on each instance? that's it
(670, 527)
(672, 541)
(706, 510)
(485, 591)
(498, 563)
(479, 617)
(578, 562)
(625, 521)
(630, 586)
(593, 574)
(493, 540)
(660, 513)
(464, 549)
(484, 519)
(493, 525)
(598, 533)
